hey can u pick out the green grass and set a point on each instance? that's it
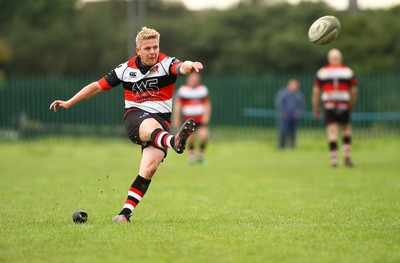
(250, 203)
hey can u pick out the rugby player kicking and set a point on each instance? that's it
(148, 80)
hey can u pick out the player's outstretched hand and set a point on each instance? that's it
(197, 66)
(59, 103)
(190, 67)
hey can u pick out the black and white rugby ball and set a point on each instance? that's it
(324, 30)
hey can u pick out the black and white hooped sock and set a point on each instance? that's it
(135, 195)
(162, 139)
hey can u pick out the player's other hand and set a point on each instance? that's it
(196, 66)
(59, 103)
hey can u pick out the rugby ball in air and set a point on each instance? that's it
(324, 30)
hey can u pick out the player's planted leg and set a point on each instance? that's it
(151, 159)
(135, 195)
(347, 151)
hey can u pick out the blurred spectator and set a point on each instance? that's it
(290, 104)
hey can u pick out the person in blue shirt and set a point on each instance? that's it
(290, 104)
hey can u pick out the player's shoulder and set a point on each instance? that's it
(182, 89)
(346, 72)
(126, 66)
(131, 63)
(201, 91)
(348, 69)
(122, 66)
(162, 56)
(203, 88)
(120, 69)
(165, 58)
(321, 71)
(167, 62)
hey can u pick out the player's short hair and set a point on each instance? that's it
(146, 33)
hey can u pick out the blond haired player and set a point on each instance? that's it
(148, 80)
(335, 86)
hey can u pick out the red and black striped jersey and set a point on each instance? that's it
(193, 101)
(147, 88)
(335, 82)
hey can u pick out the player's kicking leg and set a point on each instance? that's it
(332, 130)
(162, 139)
(151, 131)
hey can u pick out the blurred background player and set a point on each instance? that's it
(290, 104)
(192, 101)
(335, 86)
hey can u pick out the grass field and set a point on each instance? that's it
(250, 203)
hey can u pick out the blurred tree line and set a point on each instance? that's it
(65, 37)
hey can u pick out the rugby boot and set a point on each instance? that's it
(183, 134)
(121, 219)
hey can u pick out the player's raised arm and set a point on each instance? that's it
(188, 67)
(85, 93)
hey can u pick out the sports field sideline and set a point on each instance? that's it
(249, 203)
